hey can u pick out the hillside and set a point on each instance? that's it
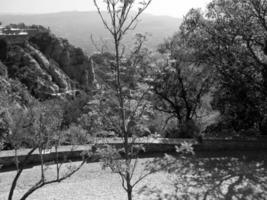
(78, 27)
(45, 64)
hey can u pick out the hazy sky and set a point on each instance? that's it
(176, 8)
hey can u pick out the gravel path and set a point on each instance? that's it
(90, 183)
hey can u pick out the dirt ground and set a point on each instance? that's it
(90, 183)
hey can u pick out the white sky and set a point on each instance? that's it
(175, 8)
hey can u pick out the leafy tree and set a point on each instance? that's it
(74, 107)
(26, 123)
(179, 86)
(37, 126)
(230, 38)
(12, 95)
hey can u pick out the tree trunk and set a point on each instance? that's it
(129, 186)
(129, 194)
(121, 99)
(42, 163)
(15, 180)
(14, 184)
(179, 128)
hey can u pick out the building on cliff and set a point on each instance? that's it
(18, 35)
(14, 35)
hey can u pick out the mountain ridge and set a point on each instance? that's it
(78, 27)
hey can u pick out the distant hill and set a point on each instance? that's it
(78, 27)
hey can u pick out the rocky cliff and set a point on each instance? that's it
(46, 65)
(71, 60)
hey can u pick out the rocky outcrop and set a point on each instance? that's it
(70, 59)
(22, 65)
(52, 68)
(47, 65)
(62, 80)
(16, 90)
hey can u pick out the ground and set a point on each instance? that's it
(215, 176)
(91, 182)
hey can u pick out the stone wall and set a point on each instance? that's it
(152, 147)
(213, 144)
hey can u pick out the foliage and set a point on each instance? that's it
(75, 135)
(43, 124)
(74, 107)
(104, 110)
(122, 108)
(230, 38)
(32, 126)
(14, 98)
(27, 123)
(179, 85)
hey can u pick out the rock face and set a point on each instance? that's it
(47, 65)
(70, 59)
(23, 66)
(14, 88)
(52, 68)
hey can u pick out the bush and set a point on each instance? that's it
(189, 129)
(75, 135)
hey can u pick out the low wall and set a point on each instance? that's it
(66, 153)
(214, 144)
(151, 146)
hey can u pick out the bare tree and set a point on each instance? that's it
(121, 18)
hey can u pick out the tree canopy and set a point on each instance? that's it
(230, 38)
